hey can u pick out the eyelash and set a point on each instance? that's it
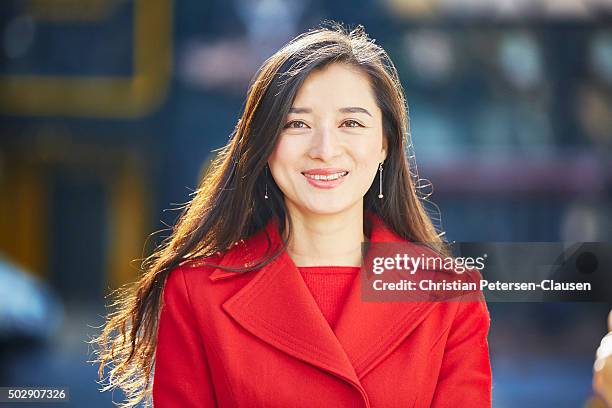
(288, 125)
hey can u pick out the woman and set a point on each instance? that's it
(261, 307)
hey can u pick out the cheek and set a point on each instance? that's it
(282, 153)
(367, 154)
(284, 159)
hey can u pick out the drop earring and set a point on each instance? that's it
(380, 169)
(266, 193)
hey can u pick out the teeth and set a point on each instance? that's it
(334, 176)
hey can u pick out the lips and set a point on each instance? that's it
(325, 178)
(328, 177)
(325, 171)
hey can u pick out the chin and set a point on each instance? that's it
(336, 208)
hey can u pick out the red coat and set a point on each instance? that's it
(259, 340)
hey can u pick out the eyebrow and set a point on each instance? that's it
(350, 109)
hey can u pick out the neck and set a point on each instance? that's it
(330, 239)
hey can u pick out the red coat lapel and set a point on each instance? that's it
(370, 331)
(277, 307)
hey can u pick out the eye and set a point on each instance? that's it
(352, 123)
(296, 124)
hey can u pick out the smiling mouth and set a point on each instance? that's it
(326, 177)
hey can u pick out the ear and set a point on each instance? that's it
(383, 152)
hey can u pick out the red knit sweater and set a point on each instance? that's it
(329, 285)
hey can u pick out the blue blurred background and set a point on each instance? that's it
(109, 110)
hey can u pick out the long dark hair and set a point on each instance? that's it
(229, 203)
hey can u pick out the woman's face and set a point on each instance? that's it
(328, 152)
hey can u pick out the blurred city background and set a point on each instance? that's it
(109, 111)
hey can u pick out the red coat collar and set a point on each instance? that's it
(250, 251)
(277, 307)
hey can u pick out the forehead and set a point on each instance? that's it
(337, 85)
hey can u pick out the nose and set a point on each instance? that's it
(324, 144)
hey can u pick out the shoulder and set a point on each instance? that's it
(472, 305)
(233, 262)
(470, 311)
(461, 323)
(472, 319)
(183, 278)
(203, 265)
(204, 283)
